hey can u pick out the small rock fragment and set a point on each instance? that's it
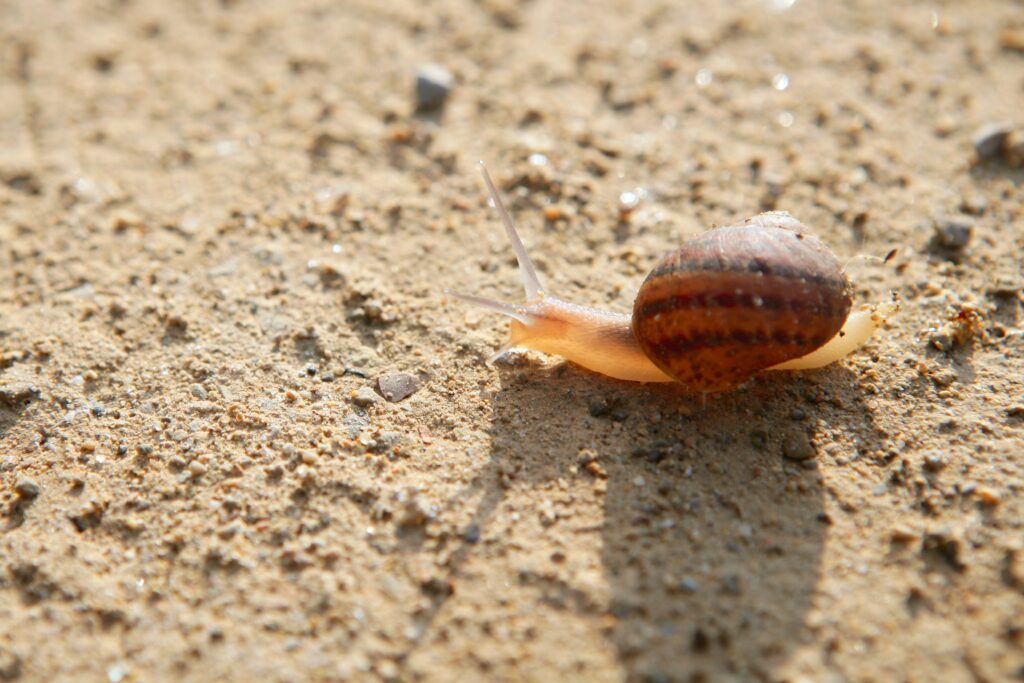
(953, 233)
(798, 447)
(934, 461)
(599, 407)
(26, 488)
(990, 140)
(433, 85)
(688, 585)
(988, 497)
(397, 386)
(365, 397)
(415, 512)
(388, 441)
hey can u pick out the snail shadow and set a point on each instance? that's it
(710, 540)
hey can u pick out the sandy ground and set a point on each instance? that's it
(222, 222)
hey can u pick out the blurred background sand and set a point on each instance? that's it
(224, 224)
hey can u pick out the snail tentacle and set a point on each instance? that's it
(509, 310)
(531, 283)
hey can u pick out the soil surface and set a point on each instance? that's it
(225, 234)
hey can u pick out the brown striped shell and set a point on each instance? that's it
(737, 300)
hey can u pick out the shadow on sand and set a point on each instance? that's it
(709, 538)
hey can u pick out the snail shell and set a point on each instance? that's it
(737, 300)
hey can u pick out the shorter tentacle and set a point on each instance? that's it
(510, 310)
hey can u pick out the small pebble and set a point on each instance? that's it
(327, 377)
(196, 468)
(987, 496)
(599, 407)
(798, 447)
(198, 391)
(397, 386)
(117, 672)
(433, 85)
(934, 461)
(953, 233)
(553, 213)
(990, 140)
(415, 512)
(365, 397)
(26, 488)
(387, 441)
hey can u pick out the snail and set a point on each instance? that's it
(727, 305)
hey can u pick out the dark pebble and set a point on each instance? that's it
(990, 140)
(26, 488)
(433, 85)
(701, 641)
(327, 377)
(472, 533)
(311, 370)
(650, 454)
(599, 407)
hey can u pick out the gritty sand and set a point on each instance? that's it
(222, 222)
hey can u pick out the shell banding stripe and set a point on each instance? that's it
(706, 300)
(700, 339)
(757, 266)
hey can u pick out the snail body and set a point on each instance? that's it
(725, 306)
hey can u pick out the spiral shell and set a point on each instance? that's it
(737, 300)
